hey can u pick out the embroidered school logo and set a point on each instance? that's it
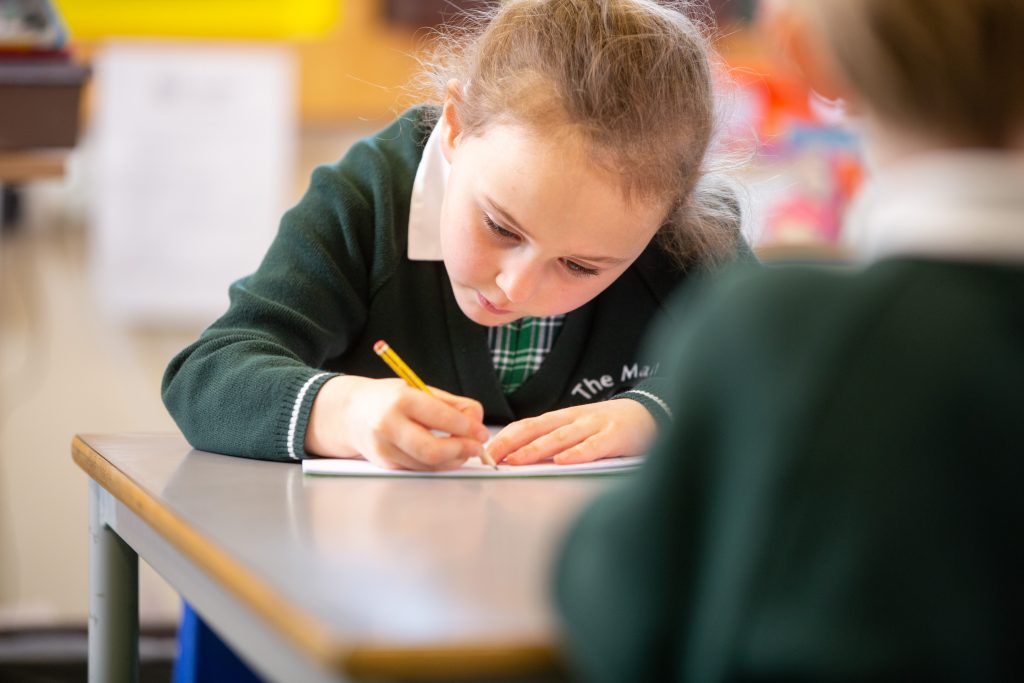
(590, 388)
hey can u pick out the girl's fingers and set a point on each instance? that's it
(578, 434)
(594, 447)
(434, 452)
(518, 434)
(549, 445)
(474, 410)
(387, 455)
(433, 412)
(471, 408)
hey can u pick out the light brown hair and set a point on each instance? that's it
(950, 69)
(632, 77)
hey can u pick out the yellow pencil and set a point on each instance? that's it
(399, 367)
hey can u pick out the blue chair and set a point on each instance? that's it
(204, 658)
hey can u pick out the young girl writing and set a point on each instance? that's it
(512, 246)
(838, 498)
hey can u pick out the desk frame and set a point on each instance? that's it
(118, 537)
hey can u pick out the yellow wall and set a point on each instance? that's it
(352, 64)
(250, 19)
(357, 69)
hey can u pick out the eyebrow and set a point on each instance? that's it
(506, 218)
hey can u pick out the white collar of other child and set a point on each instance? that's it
(961, 206)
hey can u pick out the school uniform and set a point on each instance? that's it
(358, 259)
(839, 496)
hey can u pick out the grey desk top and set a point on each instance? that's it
(374, 567)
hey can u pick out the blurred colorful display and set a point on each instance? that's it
(805, 159)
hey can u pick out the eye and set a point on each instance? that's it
(573, 268)
(498, 230)
(576, 270)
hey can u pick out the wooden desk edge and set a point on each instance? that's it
(18, 166)
(429, 664)
(306, 632)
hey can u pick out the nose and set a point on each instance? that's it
(519, 279)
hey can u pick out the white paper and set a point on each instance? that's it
(194, 163)
(352, 467)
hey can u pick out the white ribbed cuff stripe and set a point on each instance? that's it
(295, 413)
(648, 395)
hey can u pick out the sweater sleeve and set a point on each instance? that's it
(247, 385)
(651, 394)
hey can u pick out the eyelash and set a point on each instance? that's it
(573, 268)
(498, 230)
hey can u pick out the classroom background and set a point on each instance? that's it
(147, 151)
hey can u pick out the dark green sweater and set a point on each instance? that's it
(839, 497)
(337, 279)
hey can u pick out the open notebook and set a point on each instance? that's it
(352, 467)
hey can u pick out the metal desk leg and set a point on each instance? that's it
(113, 597)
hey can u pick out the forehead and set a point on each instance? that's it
(551, 185)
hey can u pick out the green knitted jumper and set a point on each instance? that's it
(336, 279)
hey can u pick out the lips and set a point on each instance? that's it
(489, 307)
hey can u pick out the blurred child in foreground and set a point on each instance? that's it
(839, 497)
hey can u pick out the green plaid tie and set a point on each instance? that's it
(519, 348)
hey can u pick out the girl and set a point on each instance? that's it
(849, 507)
(512, 246)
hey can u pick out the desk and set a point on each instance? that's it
(326, 579)
(20, 166)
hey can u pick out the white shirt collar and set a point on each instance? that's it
(951, 205)
(427, 197)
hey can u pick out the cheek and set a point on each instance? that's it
(562, 297)
(466, 253)
(573, 292)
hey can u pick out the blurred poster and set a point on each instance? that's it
(194, 154)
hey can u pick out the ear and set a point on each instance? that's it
(799, 50)
(450, 118)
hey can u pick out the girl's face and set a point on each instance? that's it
(531, 227)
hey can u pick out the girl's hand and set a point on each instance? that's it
(578, 434)
(389, 423)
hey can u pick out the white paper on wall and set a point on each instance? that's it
(194, 162)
